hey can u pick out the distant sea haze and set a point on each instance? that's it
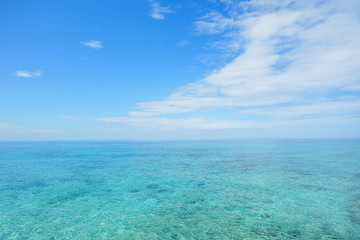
(258, 189)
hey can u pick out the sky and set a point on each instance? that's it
(179, 69)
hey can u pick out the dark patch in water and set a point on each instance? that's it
(328, 230)
(239, 219)
(294, 233)
(356, 175)
(233, 165)
(200, 183)
(68, 197)
(185, 165)
(174, 236)
(302, 172)
(211, 235)
(185, 214)
(38, 184)
(267, 201)
(152, 186)
(192, 202)
(313, 187)
(228, 208)
(134, 190)
(163, 191)
(353, 210)
(26, 186)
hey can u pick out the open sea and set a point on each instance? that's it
(247, 189)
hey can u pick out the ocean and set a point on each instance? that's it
(245, 189)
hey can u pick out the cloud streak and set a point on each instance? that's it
(93, 44)
(157, 11)
(183, 43)
(298, 62)
(27, 74)
(8, 126)
(70, 117)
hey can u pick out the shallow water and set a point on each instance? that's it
(308, 189)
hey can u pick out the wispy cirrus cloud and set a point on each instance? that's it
(70, 117)
(92, 44)
(10, 131)
(27, 74)
(157, 11)
(183, 43)
(8, 125)
(297, 64)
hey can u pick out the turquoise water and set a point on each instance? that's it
(180, 190)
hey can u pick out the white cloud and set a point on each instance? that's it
(93, 44)
(39, 130)
(340, 107)
(69, 117)
(157, 11)
(183, 43)
(181, 123)
(27, 74)
(299, 64)
(214, 23)
(203, 123)
(8, 125)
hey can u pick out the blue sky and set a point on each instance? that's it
(143, 70)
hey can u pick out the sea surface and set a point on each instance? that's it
(248, 189)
